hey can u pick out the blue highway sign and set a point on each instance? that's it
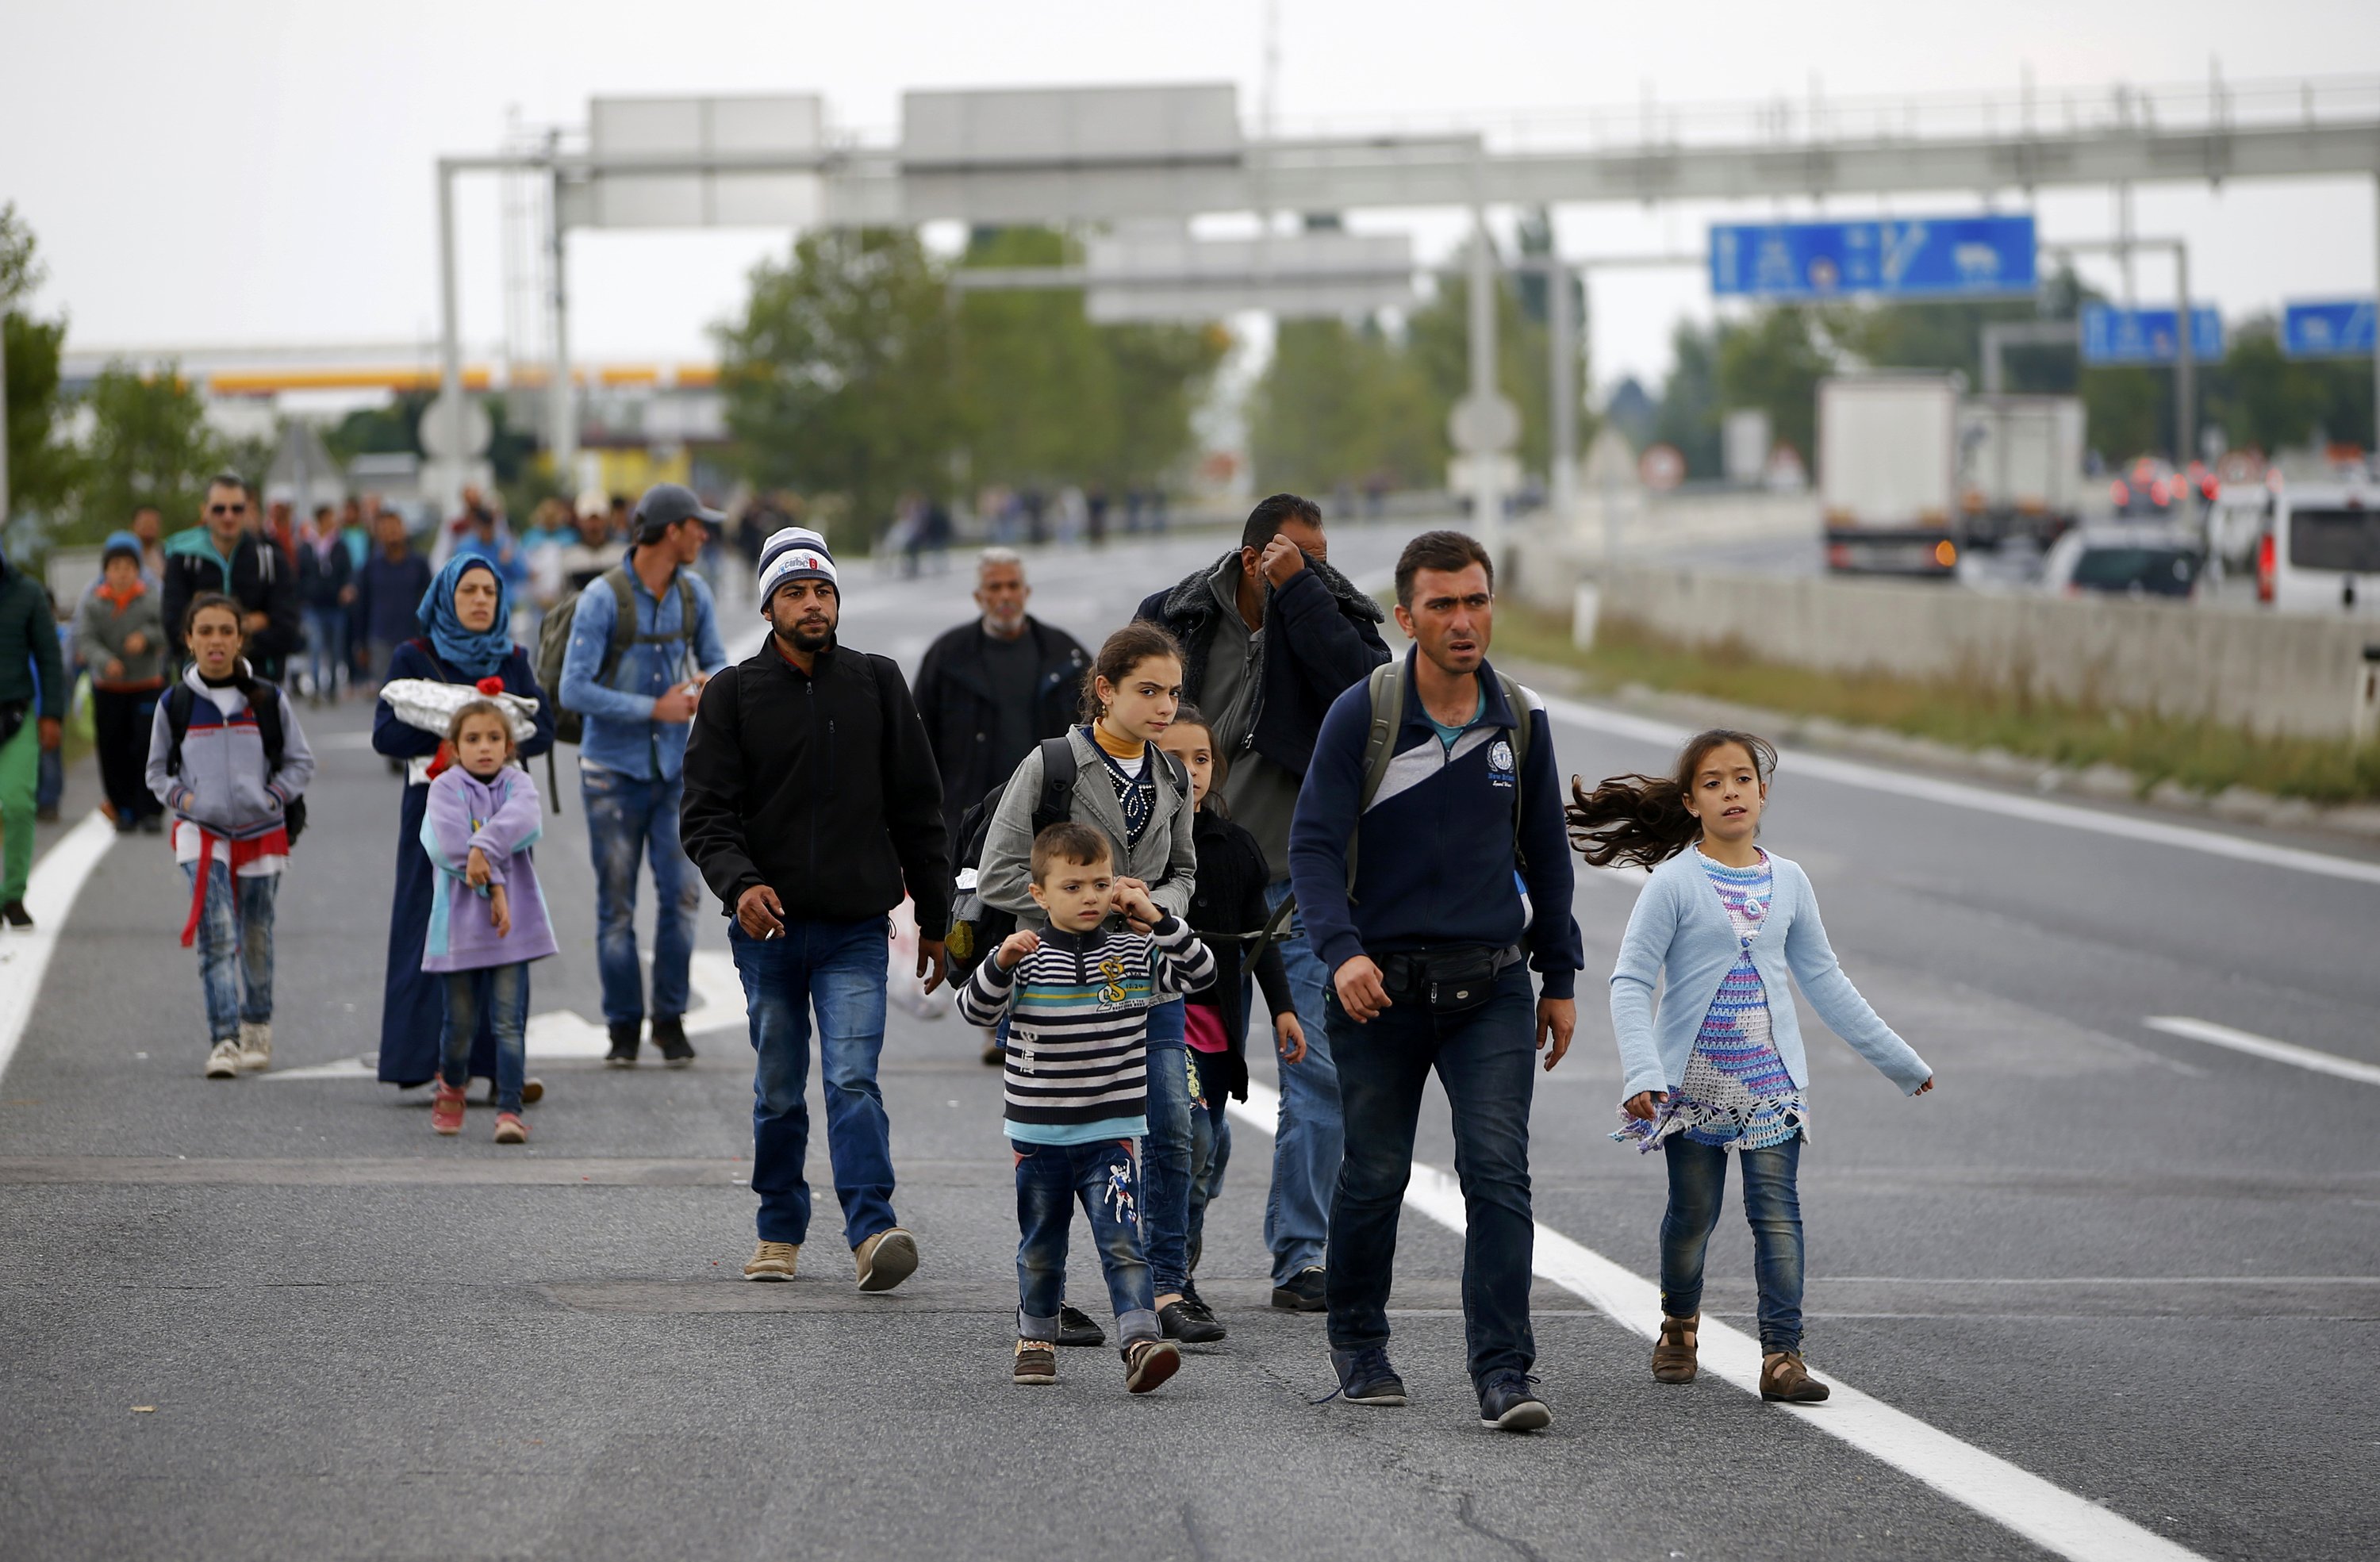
(1901, 258)
(2113, 335)
(2339, 328)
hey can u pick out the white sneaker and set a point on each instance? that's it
(223, 1061)
(255, 1046)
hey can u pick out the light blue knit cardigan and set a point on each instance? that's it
(1680, 924)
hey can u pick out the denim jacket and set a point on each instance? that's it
(620, 732)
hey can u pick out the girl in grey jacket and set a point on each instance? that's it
(1717, 1067)
(1137, 796)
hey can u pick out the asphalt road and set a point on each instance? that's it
(2138, 1266)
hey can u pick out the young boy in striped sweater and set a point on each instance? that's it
(1077, 1086)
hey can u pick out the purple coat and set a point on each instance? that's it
(502, 818)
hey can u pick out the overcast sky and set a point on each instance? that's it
(245, 172)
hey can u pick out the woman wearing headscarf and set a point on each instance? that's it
(467, 619)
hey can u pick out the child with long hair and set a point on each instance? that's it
(1126, 788)
(1717, 1066)
(1227, 912)
(487, 915)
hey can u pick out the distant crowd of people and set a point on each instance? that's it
(1108, 852)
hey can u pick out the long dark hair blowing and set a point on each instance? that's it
(1642, 820)
(1126, 649)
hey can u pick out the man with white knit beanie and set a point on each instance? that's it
(813, 805)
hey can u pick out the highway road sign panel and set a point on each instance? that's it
(2335, 328)
(2112, 336)
(1906, 258)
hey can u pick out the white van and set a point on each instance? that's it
(2323, 551)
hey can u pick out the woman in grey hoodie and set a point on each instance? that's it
(121, 634)
(231, 797)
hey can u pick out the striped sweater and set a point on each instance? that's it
(1077, 1007)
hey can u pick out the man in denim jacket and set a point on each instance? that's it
(631, 756)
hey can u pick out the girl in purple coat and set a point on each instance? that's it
(487, 915)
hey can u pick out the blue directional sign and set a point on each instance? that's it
(2113, 335)
(2340, 328)
(1901, 258)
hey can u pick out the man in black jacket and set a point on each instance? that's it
(993, 687)
(812, 801)
(1270, 636)
(226, 554)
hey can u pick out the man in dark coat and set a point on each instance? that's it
(1270, 636)
(996, 685)
(226, 554)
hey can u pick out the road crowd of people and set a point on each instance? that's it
(1106, 853)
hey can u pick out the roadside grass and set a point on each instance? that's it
(2201, 755)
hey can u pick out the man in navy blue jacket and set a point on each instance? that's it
(1426, 958)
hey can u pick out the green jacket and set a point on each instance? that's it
(29, 637)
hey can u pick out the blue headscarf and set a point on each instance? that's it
(479, 653)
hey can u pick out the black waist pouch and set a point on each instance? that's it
(12, 716)
(1447, 981)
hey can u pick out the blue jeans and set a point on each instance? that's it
(1306, 1146)
(1165, 1153)
(628, 819)
(326, 648)
(1772, 1203)
(235, 945)
(1050, 1180)
(1211, 1152)
(505, 990)
(1487, 1059)
(837, 967)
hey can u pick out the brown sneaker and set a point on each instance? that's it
(510, 1130)
(773, 1261)
(1673, 1353)
(886, 1259)
(1036, 1362)
(1782, 1376)
(1147, 1363)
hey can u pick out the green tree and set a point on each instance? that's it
(840, 376)
(1343, 403)
(393, 429)
(1439, 339)
(1689, 418)
(2263, 399)
(1774, 363)
(150, 444)
(41, 465)
(1163, 374)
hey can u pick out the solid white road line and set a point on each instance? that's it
(2034, 810)
(49, 895)
(2046, 1514)
(2264, 1046)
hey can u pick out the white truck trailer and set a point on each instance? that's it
(1888, 469)
(2020, 465)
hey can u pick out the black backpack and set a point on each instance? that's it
(264, 699)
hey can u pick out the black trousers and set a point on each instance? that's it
(120, 722)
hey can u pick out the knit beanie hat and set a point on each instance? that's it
(795, 553)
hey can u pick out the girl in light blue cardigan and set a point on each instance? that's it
(1717, 1066)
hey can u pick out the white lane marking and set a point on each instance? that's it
(57, 879)
(565, 1033)
(2264, 1046)
(2046, 1514)
(2034, 810)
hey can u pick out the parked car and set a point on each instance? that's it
(2118, 560)
(2322, 553)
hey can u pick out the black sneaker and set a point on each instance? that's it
(1178, 1322)
(152, 824)
(14, 915)
(669, 1035)
(624, 1043)
(1303, 1293)
(1506, 1404)
(1366, 1378)
(1076, 1327)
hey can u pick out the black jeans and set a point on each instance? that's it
(1486, 1059)
(120, 723)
